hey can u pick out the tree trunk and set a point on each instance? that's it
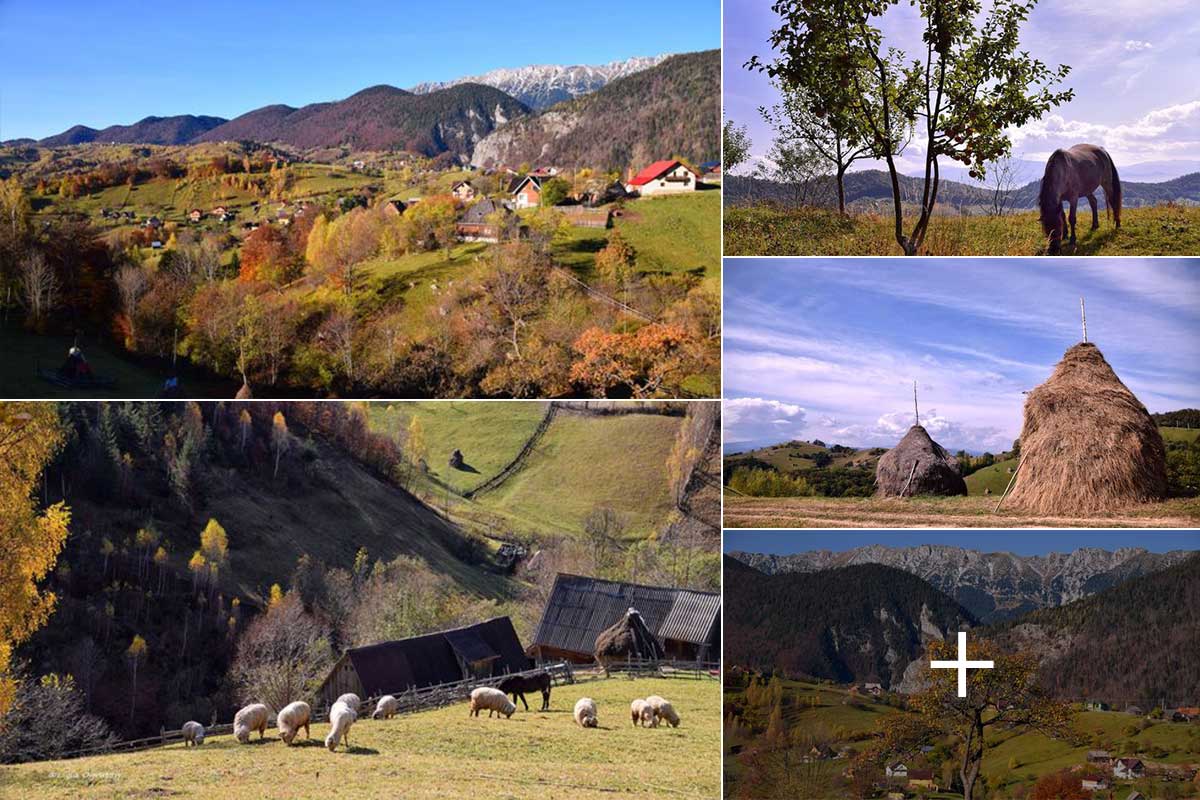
(972, 757)
(841, 190)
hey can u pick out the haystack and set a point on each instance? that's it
(627, 640)
(1088, 445)
(918, 465)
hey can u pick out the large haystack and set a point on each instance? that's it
(918, 465)
(627, 640)
(1088, 446)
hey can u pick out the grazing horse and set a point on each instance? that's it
(518, 685)
(1073, 173)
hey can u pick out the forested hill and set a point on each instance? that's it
(1134, 643)
(853, 624)
(670, 110)
(144, 481)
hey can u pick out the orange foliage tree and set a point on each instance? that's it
(643, 361)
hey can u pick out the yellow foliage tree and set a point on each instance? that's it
(30, 435)
(276, 596)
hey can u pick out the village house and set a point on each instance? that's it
(1099, 757)
(873, 689)
(475, 226)
(1136, 795)
(921, 779)
(710, 168)
(1128, 768)
(394, 207)
(1097, 705)
(1135, 711)
(686, 623)
(526, 191)
(897, 771)
(821, 752)
(463, 192)
(664, 177)
(153, 222)
(195, 215)
(1097, 785)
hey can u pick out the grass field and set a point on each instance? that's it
(617, 461)
(489, 434)
(934, 512)
(797, 457)
(773, 231)
(25, 352)
(433, 754)
(1180, 434)
(820, 712)
(995, 477)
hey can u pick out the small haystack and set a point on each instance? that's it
(918, 465)
(1088, 445)
(628, 640)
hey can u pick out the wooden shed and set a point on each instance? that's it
(687, 623)
(483, 650)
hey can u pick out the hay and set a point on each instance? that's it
(629, 639)
(918, 465)
(1089, 445)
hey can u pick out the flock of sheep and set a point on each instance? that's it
(343, 713)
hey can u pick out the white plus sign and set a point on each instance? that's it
(962, 664)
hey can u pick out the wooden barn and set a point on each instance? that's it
(687, 623)
(483, 650)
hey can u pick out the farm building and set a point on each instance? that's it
(463, 191)
(1088, 445)
(1128, 768)
(195, 215)
(898, 771)
(474, 225)
(1094, 785)
(1098, 757)
(921, 779)
(482, 650)
(527, 191)
(686, 623)
(664, 177)
(394, 207)
(710, 168)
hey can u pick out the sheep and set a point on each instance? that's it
(341, 717)
(193, 733)
(293, 717)
(585, 712)
(350, 699)
(663, 709)
(641, 713)
(386, 707)
(494, 700)
(251, 718)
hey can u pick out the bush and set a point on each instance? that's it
(757, 482)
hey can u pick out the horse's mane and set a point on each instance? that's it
(1048, 199)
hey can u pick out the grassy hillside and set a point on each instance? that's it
(774, 231)
(433, 754)
(827, 713)
(1180, 434)
(937, 512)
(489, 434)
(995, 477)
(802, 456)
(583, 462)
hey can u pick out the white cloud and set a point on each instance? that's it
(1164, 133)
(755, 419)
(1137, 45)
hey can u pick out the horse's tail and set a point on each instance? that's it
(1114, 198)
(1048, 199)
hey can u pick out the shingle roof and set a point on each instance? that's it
(580, 607)
(653, 171)
(478, 213)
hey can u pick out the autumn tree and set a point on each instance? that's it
(49, 719)
(280, 438)
(134, 655)
(282, 655)
(1006, 698)
(642, 361)
(39, 285)
(1061, 785)
(515, 289)
(267, 256)
(554, 191)
(431, 224)
(214, 549)
(132, 282)
(617, 260)
(964, 89)
(30, 537)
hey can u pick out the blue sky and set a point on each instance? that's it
(1134, 67)
(1021, 543)
(99, 63)
(829, 348)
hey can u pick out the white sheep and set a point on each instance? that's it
(341, 717)
(642, 713)
(663, 709)
(193, 733)
(585, 712)
(386, 707)
(292, 718)
(351, 699)
(495, 701)
(251, 718)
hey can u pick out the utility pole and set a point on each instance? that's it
(1083, 316)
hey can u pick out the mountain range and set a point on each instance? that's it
(540, 86)
(871, 187)
(1131, 641)
(993, 587)
(672, 109)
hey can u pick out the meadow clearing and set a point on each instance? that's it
(975, 511)
(769, 230)
(432, 754)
